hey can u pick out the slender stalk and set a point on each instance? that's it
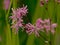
(58, 27)
(7, 28)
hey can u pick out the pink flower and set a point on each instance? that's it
(41, 2)
(46, 1)
(49, 26)
(29, 28)
(39, 24)
(20, 12)
(17, 15)
(58, 1)
(53, 26)
(6, 4)
(47, 21)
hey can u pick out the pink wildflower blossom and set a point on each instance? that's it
(48, 26)
(46, 1)
(53, 26)
(6, 4)
(58, 1)
(29, 28)
(41, 2)
(39, 24)
(17, 15)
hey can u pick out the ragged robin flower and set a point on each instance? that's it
(49, 26)
(17, 15)
(40, 25)
(42, 2)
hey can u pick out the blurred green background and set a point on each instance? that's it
(35, 11)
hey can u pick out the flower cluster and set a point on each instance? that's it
(17, 15)
(49, 26)
(42, 2)
(40, 25)
(29, 28)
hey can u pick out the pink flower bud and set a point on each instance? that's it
(29, 28)
(6, 4)
(41, 3)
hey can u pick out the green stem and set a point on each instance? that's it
(7, 28)
(8, 10)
